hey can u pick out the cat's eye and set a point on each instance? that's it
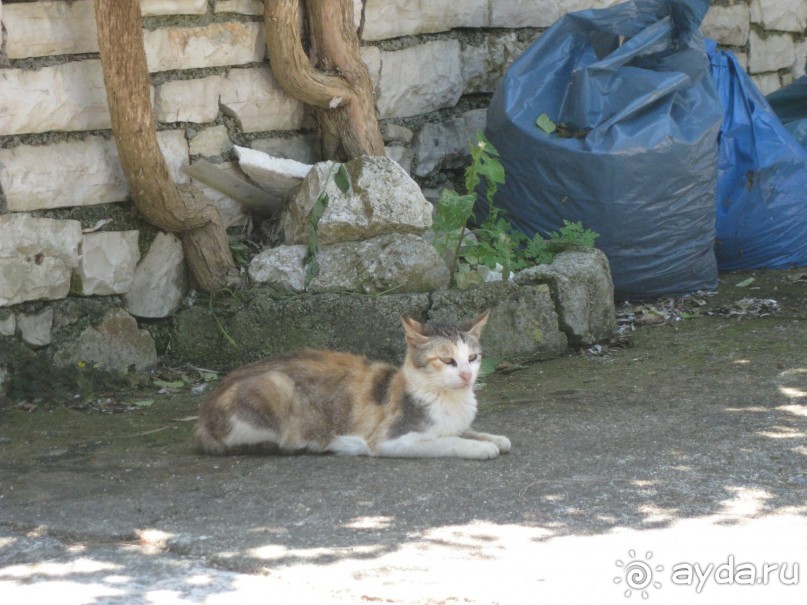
(473, 358)
(449, 361)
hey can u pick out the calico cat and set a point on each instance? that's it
(325, 401)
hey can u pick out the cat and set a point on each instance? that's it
(326, 401)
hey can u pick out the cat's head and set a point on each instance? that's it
(447, 355)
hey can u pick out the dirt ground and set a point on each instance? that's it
(670, 465)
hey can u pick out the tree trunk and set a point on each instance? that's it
(184, 210)
(339, 87)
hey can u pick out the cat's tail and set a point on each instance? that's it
(206, 442)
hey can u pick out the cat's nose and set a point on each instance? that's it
(466, 376)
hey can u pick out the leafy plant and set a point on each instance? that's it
(495, 243)
(342, 180)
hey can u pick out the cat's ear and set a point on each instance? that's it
(474, 326)
(414, 330)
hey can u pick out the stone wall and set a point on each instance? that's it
(66, 228)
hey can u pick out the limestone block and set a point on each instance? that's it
(767, 83)
(70, 96)
(232, 213)
(195, 100)
(37, 257)
(41, 29)
(771, 53)
(523, 321)
(484, 65)
(150, 8)
(371, 55)
(160, 279)
(301, 147)
(211, 141)
(214, 45)
(401, 155)
(403, 262)
(800, 64)
(71, 173)
(728, 25)
(254, 98)
(278, 176)
(243, 7)
(115, 343)
(382, 199)
(175, 151)
(396, 133)
(419, 79)
(780, 15)
(386, 19)
(8, 325)
(108, 261)
(446, 144)
(581, 281)
(35, 329)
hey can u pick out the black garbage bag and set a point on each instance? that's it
(637, 162)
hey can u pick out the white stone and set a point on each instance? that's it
(446, 144)
(780, 15)
(71, 173)
(396, 133)
(382, 199)
(401, 155)
(483, 66)
(767, 83)
(108, 261)
(281, 267)
(774, 52)
(386, 19)
(278, 176)
(174, 147)
(151, 8)
(728, 25)
(195, 100)
(37, 257)
(211, 141)
(35, 329)
(254, 98)
(371, 55)
(403, 262)
(160, 279)
(301, 147)
(70, 96)
(800, 64)
(115, 343)
(232, 213)
(40, 29)
(214, 45)
(8, 326)
(243, 7)
(419, 79)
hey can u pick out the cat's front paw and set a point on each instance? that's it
(502, 442)
(479, 450)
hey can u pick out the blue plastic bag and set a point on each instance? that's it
(762, 177)
(790, 105)
(631, 82)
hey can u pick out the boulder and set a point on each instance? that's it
(381, 199)
(160, 280)
(397, 262)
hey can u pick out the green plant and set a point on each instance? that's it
(495, 243)
(342, 180)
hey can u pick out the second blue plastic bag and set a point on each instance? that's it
(631, 85)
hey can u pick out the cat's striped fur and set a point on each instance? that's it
(325, 401)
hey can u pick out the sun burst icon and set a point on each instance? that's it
(637, 574)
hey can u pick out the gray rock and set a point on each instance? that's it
(278, 176)
(382, 199)
(8, 325)
(523, 321)
(37, 257)
(35, 329)
(160, 280)
(115, 343)
(399, 262)
(108, 261)
(581, 282)
(446, 144)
